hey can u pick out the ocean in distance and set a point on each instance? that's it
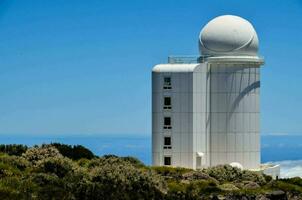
(285, 150)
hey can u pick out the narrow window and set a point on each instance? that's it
(167, 160)
(167, 80)
(167, 103)
(167, 141)
(167, 123)
(167, 83)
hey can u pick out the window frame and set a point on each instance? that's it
(169, 139)
(167, 84)
(167, 106)
(167, 126)
(167, 146)
(170, 160)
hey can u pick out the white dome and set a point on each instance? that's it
(236, 164)
(228, 35)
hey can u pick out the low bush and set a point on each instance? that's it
(227, 173)
(192, 190)
(42, 172)
(286, 186)
(171, 172)
(13, 149)
(35, 154)
(134, 161)
(119, 179)
(15, 161)
(228, 187)
(74, 152)
(58, 165)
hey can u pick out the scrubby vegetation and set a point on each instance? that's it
(58, 171)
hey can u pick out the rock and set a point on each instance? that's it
(277, 195)
(250, 185)
(261, 197)
(197, 175)
(221, 197)
(238, 197)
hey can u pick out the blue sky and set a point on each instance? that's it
(83, 67)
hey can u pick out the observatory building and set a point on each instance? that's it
(205, 109)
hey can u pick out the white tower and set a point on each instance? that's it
(205, 110)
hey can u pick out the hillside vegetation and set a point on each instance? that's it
(58, 171)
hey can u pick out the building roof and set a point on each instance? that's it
(175, 67)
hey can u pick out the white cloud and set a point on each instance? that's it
(290, 168)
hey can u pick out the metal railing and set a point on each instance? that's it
(184, 59)
(200, 59)
(187, 59)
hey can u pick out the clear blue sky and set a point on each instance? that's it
(84, 67)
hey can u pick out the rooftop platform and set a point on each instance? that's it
(191, 59)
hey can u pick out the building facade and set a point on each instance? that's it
(206, 109)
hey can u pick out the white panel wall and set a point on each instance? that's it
(200, 103)
(181, 115)
(215, 111)
(234, 115)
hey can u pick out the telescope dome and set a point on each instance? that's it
(228, 35)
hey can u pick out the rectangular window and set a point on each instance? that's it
(167, 160)
(167, 103)
(167, 123)
(167, 83)
(167, 141)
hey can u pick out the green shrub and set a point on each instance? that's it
(35, 154)
(42, 172)
(227, 173)
(134, 161)
(228, 187)
(57, 165)
(224, 173)
(7, 170)
(253, 177)
(115, 178)
(177, 191)
(15, 188)
(191, 190)
(83, 162)
(50, 186)
(295, 180)
(74, 152)
(171, 172)
(13, 149)
(8, 193)
(15, 161)
(286, 186)
(267, 178)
